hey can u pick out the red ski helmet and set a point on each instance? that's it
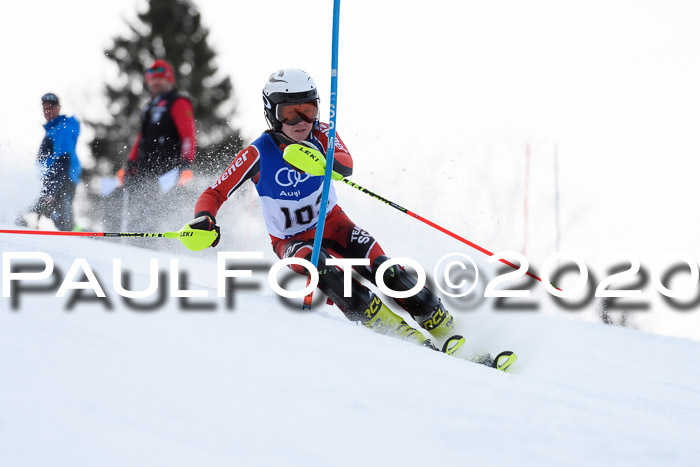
(160, 69)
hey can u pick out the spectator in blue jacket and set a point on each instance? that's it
(60, 167)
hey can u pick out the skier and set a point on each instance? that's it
(290, 203)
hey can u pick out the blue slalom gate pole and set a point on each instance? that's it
(318, 238)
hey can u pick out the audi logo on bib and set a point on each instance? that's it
(290, 177)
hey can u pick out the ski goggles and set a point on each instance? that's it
(160, 72)
(291, 114)
(156, 71)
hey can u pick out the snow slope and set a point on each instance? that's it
(264, 384)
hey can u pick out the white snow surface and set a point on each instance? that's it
(263, 385)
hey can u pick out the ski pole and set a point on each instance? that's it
(311, 162)
(432, 224)
(193, 239)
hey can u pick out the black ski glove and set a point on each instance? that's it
(205, 221)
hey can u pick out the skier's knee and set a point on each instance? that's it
(331, 280)
(299, 269)
(396, 278)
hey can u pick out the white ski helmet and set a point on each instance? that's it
(287, 86)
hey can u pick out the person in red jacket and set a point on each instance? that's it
(164, 149)
(290, 202)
